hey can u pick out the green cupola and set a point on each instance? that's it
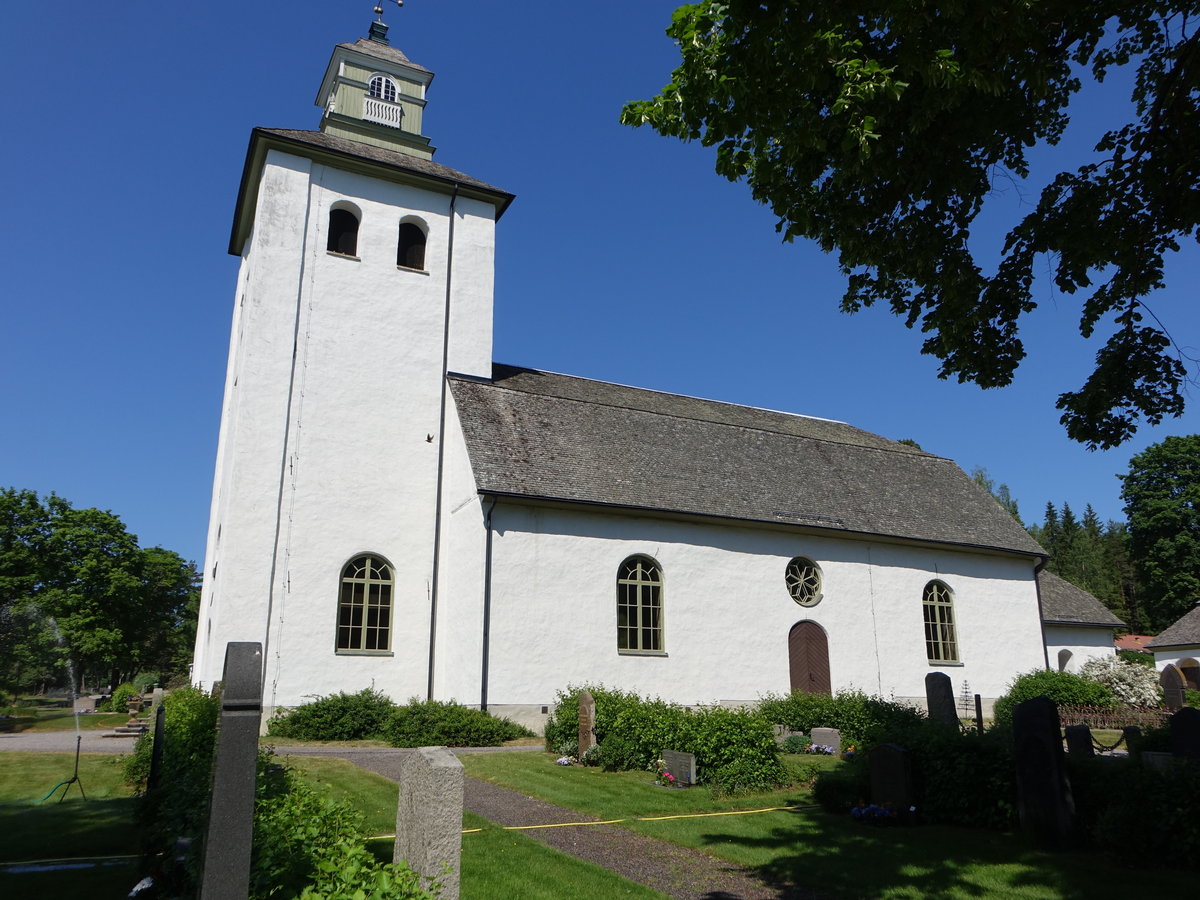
(374, 94)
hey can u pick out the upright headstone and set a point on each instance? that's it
(156, 748)
(939, 697)
(1185, 732)
(1131, 734)
(156, 698)
(891, 778)
(827, 737)
(587, 722)
(226, 872)
(429, 817)
(1171, 680)
(1079, 741)
(1044, 799)
(680, 766)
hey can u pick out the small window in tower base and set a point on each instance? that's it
(410, 251)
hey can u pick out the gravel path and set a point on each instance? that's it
(675, 871)
(64, 742)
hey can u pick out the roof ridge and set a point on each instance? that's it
(667, 415)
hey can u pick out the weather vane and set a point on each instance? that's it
(379, 9)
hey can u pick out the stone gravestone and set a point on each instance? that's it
(1185, 733)
(156, 749)
(891, 779)
(429, 817)
(827, 737)
(939, 698)
(1044, 799)
(1171, 680)
(226, 872)
(587, 722)
(156, 698)
(1079, 741)
(682, 766)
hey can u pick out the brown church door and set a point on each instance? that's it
(808, 658)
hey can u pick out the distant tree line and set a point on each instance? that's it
(81, 601)
(1146, 569)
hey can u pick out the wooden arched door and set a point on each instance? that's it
(808, 658)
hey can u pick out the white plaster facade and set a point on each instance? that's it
(339, 438)
(1079, 643)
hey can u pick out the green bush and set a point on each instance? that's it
(735, 749)
(424, 723)
(179, 806)
(562, 728)
(795, 743)
(1064, 688)
(337, 717)
(1134, 813)
(1141, 657)
(119, 701)
(1192, 698)
(312, 847)
(861, 719)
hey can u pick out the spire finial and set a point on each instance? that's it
(378, 30)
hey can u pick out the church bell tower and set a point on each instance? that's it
(366, 275)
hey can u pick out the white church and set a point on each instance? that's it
(391, 509)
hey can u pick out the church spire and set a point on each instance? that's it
(379, 29)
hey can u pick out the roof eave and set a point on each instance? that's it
(686, 515)
(261, 142)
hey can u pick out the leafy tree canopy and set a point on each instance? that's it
(878, 128)
(74, 584)
(1162, 501)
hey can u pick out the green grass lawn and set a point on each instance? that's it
(496, 864)
(826, 852)
(62, 720)
(37, 829)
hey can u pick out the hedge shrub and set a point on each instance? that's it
(1064, 688)
(735, 748)
(336, 717)
(1135, 813)
(119, 701)
(862, 720)
(423, 723)
(304, 845)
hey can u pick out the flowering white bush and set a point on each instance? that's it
(1130, 682)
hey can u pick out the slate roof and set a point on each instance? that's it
(381, 51)
(1184, 632)
(388, 157)
(1065, 604)
(557, 437)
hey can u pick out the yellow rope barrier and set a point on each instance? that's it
(730, 812)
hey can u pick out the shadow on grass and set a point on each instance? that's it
(844, 858)
(73, 828)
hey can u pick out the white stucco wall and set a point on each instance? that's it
(334, 453)
(1082, 642)
(727, 611)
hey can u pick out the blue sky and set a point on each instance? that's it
(623, 258)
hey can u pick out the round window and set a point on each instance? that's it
(804, 581)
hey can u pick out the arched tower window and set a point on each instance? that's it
(365, 605)
(382, 87)
(343, 232)
(410, 249)
(639, 605)
(941, 641)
